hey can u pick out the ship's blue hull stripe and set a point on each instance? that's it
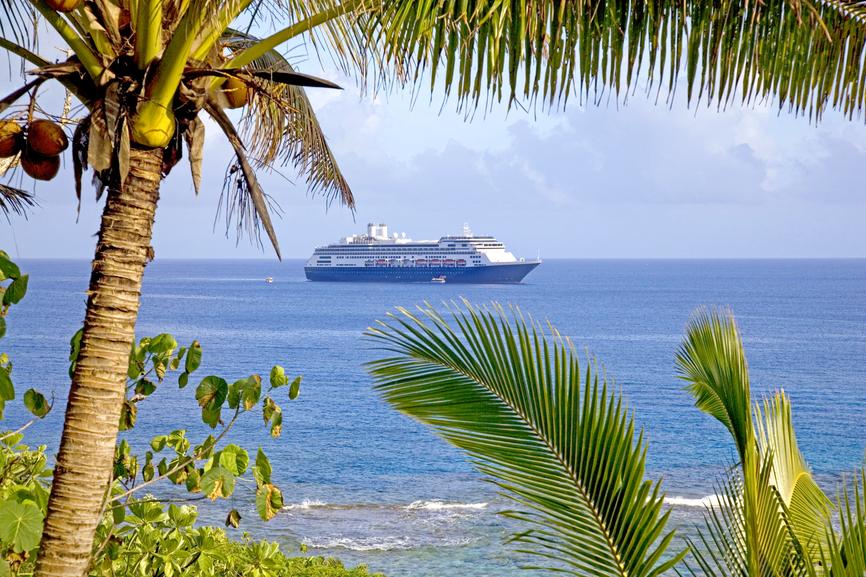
(502, 273)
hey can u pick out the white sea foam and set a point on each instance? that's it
(708, 501)
(305, 504)
(441, 505)
(360, 544)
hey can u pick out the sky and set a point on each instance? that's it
(643, 180)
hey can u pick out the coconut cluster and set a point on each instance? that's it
(40, 144)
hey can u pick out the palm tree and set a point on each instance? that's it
(561, 444)
(145, 70)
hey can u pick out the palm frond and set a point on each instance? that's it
(746, 533)
(553, 437)
(804, 55)
(14, 200)
(249, 199)
(17, 21)
(713, 363)
(808, 508)
(281, 125)
(845, 553)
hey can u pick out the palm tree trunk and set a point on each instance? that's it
(84, 463)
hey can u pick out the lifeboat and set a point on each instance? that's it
(449, 262)
(370, 262)
(461, 262)
(381, 262)
(420, 262)
(435, 262)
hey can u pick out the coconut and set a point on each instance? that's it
(40, 167)
(46, 138)
(236, 91)
(153, 126)
(63, 5)
(10, 138)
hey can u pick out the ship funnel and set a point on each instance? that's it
(371, 230)
(383, 230)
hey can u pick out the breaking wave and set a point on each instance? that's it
(441, 505)
(708, 501)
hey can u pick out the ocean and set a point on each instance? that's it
(365, 484)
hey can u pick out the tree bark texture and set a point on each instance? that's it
(84, 463)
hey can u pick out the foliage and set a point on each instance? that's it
(550, 435)
(773, 518)
(562, 447)
(147, 538)
(143, 535)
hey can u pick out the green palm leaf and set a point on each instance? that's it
(774, 517)
(808, 508)
(551, 436)
(845, 553)
(746, 533)
(713, 363)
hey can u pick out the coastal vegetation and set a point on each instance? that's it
(561, 442)
(138, 534)
(146, 71)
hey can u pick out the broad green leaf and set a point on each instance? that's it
(8, 269)
(217, 482)
(269, 501)
(262, 469)
(183, 379)
(177, 440)
(278, 377)
(15, 291)
(233, 399)
(118, 514)
(251, 392)
(182, 516)
(234, 459)
(211, 416)
(20, 525)
(193, 481)
(269, 407)
(144, 387)
(295, 389)
(36, 403)
(276, 423)
(158, 443)
(7, 389)
(128, 414)
(211, 392)
(193, 357)
(162, 344)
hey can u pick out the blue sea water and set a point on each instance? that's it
(366, 484)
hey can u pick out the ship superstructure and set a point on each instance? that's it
(379, 257)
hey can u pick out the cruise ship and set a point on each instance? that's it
(379, 257)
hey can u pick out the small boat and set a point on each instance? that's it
(438, 279)
(269, 279)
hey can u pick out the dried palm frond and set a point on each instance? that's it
(14, 200)
(282, 125)
(246, 204)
